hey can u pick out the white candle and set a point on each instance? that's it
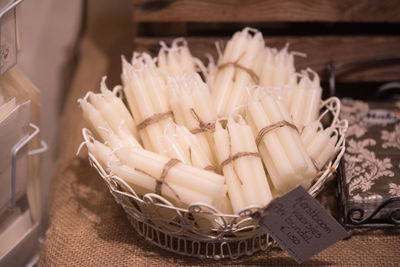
(173, 146)
(242, 78)
(285, 134)
(143, 183)
(190, 101)
(322, 147)
(101, 152)
(310, 171)
(309, 132)
(210, 176)
(119, 106)
(319, 142)
(197, 152)
(137, 82)
(96, 121)
(304, 106)
(299, 102)
(314, 93)
(278, 67)
(282, 151)
(270, 141)
(177, 175)
(267, 68)
(177, 59)
(260, 178)
(110, 114)
(328, 152)
(241, 165)
(223, 151)
(231, 76)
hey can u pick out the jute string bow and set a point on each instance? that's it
(203, 126)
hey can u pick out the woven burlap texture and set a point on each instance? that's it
(89, 229)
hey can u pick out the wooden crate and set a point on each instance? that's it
(340, 31)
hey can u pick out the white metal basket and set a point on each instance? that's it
(200, 230)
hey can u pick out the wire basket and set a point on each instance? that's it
(200, 230)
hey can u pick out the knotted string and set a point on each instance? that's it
(203, 126)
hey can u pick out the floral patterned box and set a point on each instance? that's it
(372, 158)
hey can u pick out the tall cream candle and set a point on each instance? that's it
(176, 175)
(119, 106)
(148, 94)
(243, 78)
(242, 164)
(282, 151)
(190, 101)
(260, 178)
(234, 69)
(223, 152)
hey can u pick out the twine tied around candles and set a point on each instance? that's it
(239, 155)
(236, 64)
(236, 156)
(271, 127)
(153, 119)
(203, 126)
(161, 180)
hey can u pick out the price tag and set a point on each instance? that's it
(300, 224)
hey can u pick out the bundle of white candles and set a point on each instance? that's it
(183, 145)
(149, 172)
(320, 143)
(241, 165)
(177, 59)
(279, 142)
(238, 68)
(196, 146)
(277, 67)
(108, 117)
(147, 96)
(303, 98)
(191, 104)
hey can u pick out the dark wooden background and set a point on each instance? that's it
(341, 31)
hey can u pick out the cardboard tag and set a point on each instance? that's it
(300, 224)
